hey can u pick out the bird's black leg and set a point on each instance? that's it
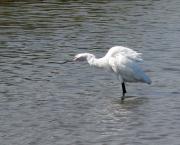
(124, 91)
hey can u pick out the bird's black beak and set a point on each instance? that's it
(66, 61)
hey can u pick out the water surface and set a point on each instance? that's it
(43, 102)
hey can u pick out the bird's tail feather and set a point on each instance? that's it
(147, 80)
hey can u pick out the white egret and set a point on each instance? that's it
(120, 60)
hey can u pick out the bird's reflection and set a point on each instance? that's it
(131, 101)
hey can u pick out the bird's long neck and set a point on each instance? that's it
(97, 62)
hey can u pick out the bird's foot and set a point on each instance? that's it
(123, 97)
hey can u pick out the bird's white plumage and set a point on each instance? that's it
(122, 61)
(124, 51)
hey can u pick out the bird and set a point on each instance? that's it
(122, 61)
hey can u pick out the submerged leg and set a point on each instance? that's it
(124, 91)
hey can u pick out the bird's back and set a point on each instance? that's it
(124, 51)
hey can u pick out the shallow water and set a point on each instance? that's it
(43, 102)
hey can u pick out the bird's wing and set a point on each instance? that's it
(124, 51)
(128, 69)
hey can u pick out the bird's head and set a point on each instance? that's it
(83, 57)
